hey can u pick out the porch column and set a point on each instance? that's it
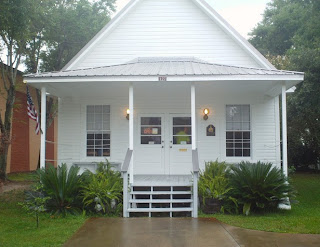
(194, 147)
(284, 130)
(43, 128)
(131, 129)
(193, 117)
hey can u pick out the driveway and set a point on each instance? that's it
(176, 232)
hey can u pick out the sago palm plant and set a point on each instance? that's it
(62, 186)
(259, 186)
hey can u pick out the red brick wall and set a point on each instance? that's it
(20, 135)
(49, 145)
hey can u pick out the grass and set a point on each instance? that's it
(23, 177)
(303, 218)
(17, 228)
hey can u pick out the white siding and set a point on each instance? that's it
(166, 28)
(264, 119)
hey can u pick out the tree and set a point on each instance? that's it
(15, 34)
(290, 30)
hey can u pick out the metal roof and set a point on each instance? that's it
(163, 66)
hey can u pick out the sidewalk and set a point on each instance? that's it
(179, 232)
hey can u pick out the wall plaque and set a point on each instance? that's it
(211, 130)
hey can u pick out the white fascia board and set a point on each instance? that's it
(104, 31)
(295, 79)
(236, 36)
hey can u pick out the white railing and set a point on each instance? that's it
(195, 165)
(124, 172)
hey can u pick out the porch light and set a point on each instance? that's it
(205, 112)
(128, 112)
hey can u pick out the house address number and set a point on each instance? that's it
(162, 78)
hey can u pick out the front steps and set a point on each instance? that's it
(162, 200)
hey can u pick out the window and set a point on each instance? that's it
(238, 134)
(181, 130)
(151, 130)
(98, 130)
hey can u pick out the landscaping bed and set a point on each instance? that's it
(303, 218)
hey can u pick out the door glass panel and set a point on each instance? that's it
(181, 130)
(150, 132)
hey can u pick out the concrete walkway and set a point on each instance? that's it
(176, 232)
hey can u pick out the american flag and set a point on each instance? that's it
(32, 113)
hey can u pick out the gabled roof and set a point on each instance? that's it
(202, 5)
(165, 66)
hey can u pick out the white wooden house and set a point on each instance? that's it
(138, 92)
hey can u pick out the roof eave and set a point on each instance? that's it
(294, 78)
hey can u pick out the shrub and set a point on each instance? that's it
(259, 186)
(214, 188)
(102, 192)
(35, 201)
(62, 186)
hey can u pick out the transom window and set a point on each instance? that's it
(98, 130)
(181, 130)
(238, 134)
(151, 130)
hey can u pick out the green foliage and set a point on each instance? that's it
(214, 184)
(259, 186)
(35, 201)
(18, 229)
(102, 191)
(62, 186)
(290, 34)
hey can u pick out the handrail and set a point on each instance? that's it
(126, 161)
(195, 160)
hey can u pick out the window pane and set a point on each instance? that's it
(245, 126)
(245, 113)
(238, 152)
(182, 121)
(246, 135)
(151, 121)
(229, 126)
(98, 109)
(150, 130)
(229, 135)
(230, 152)
(151, 140)
(246, 152)
(90, 109)
(106, 109)
(182, 131)
(182, 140)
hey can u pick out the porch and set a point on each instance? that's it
(144, 104)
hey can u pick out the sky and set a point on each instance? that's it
(243, 15)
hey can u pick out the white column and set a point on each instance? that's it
(131, 129)
(193, 117)
(43, 127)
(284, 131)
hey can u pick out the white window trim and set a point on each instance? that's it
(83, 149)
(237, 159)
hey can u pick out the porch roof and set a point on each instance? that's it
(168, 66)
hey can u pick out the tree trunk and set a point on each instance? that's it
(3, 158)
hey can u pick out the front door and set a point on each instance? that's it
(163, 144)
(149, 150)
(180, 149)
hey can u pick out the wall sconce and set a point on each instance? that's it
(206, 112)
(128, 112)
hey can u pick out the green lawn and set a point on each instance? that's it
(23, 177)
(303, 218)
(19, 229)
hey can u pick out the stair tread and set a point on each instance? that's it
(160, 192)
(160, 209)
(160, 200)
